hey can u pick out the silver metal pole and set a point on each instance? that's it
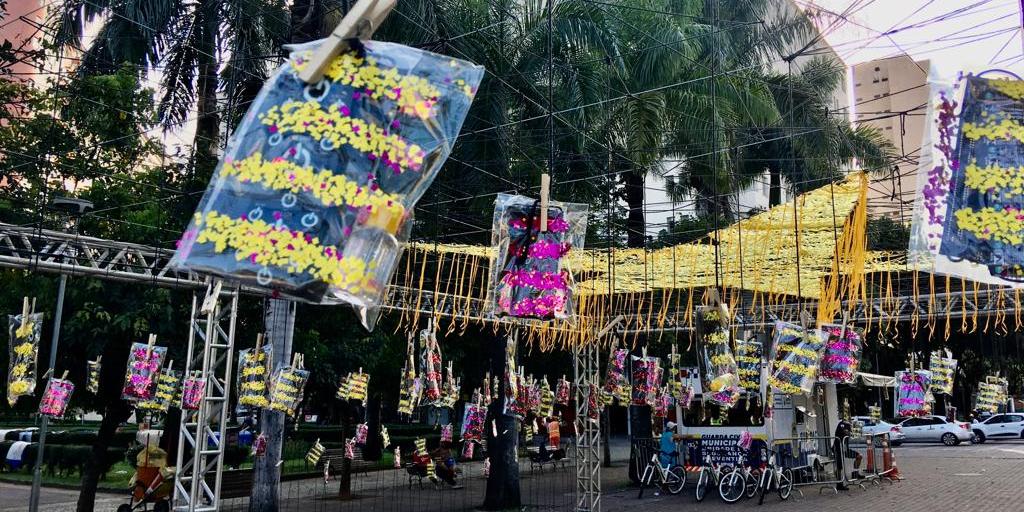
(37, 475)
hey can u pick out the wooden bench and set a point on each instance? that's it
(555, 457)
(234, 483)
(336, 457)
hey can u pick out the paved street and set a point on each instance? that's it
(956, 478)
(936, 478)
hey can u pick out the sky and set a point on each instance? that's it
(956, 35)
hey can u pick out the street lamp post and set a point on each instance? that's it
(75, 208)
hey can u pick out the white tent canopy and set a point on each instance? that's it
(875, 380)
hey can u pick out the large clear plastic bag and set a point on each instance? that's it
(314, 195)
(431, 366)
(969, 217)
(473, 423)
(943, 368)
(797, 356)
(988, 399)
(286, 389)
(841, 359)
(911, 393)
(719, 371)
(56, 397)
(144, 362)
(531, 278)
(615, 374)
(24, 355)
(253, 374)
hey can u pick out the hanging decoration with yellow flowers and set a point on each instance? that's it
(797, 354)
(24, 331)
(253, 374)
(313, 198)
(969, 211)
(719, 371)
(287, 386)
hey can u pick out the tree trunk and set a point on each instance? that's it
(373, 451)
(774, 185)
(207, 135)
(345, 476)
(503, 491)
(116, 412)
(636, 225)
(280, 325)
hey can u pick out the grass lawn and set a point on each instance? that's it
(116, 480)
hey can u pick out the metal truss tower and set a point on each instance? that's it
(588, 431)
(202, 435)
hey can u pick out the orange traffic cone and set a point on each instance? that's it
(889, 461)
(870, 455)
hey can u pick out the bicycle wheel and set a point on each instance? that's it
(732, 486)
(702, 483)
(645, 480)
(675, 480)
(766, 483)
(752, 481)
(785, 483)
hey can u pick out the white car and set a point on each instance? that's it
(931, 429)
(999, 426)
(873, 427)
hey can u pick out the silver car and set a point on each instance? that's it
(935, 429)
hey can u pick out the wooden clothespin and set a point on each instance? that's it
(846, 318)
(361, 21)
(545, 191)
(99, 359)
(26, 306)
(295, 360)
(259, 340)
(212, 296)
(64, 376)
(805, 319)
(149, 346)
(170, 364)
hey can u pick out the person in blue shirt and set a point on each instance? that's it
(669, 451)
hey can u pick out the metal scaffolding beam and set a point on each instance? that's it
(203, 432)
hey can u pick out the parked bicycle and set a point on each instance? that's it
(741, 481)
(710, 475)
(671, 478)
(775, 476)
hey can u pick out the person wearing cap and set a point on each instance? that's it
(669, 451)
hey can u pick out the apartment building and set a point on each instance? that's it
(892, 95)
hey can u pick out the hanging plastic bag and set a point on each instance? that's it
(646, 379)
(24, 354)
(253, 372)
(362, 433)
(430, 366)
(988, 397)
(749, 355)
(167, 389)
(547, 399)
(593, 412)
(314, 195)
(92, 375)
(192, 392)
(967, 217)
(841, 359)
(473, 423)
(359, 384)
(943, 370)
(797, 356)
(144, 362)
(452, 389)
(720, 372)
(532, 277)
(56, 397)
(446, 433)
(912, 388)
(615, 374)
(562, 390)
(875, 412)
(287, 386)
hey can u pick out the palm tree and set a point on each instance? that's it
(200, 49)
(809, 144)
